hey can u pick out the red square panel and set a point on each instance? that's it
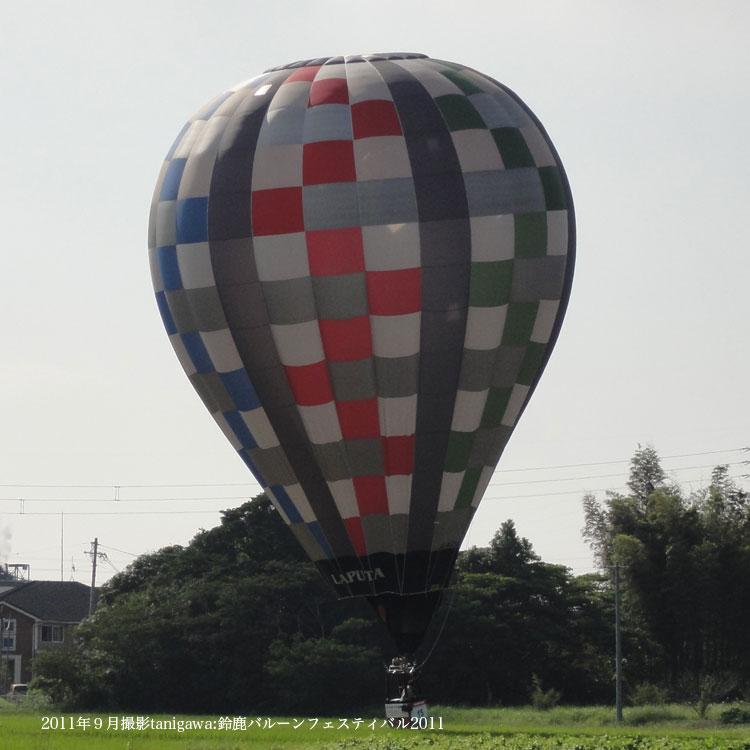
(354, 529)
(329, 91)
(359, 419)
(394, 292)
(328, 161)
(346, 340)
(333, 252)
(277, 211)
(399, 454)
(375, 117)
(310, 384)
(304, 74)
(371, 495)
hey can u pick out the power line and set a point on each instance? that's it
(233, 498)
(117, 487)
(112, 512)
(620, 461)
(488, 498)
(604, 476)
(121, 500)
(114, 549)
(224, 498)
(120, 486)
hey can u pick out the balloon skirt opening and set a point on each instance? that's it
(407, 617)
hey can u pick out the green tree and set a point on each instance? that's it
(238, 620)
(511, 619)
(646, 473)
(189, 628)
(685, 561)
(315, 676)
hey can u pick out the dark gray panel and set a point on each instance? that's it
(333, 461)
(182, 312)
(232, 261)
(207, 309)
(340, 297)
(498, 439)
(365, 457)
(289, 301)
(377, 530)
(273, 466)
(353, 381)
(477, 368)
(398, 376)
(507, 365)
(483, 448)
(244, 306)
(212, 391)
(538, 278)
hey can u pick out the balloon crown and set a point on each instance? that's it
(318, 61)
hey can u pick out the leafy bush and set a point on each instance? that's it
(735, 715)
(647, 694)
(541, 699)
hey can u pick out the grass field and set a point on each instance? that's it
(562, 728)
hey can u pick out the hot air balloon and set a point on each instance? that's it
(362, 264)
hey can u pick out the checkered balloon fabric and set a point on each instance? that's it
(362, 264)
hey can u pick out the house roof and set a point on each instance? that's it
(56, 601)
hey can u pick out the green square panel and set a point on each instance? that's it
(490, 283)
(513, 149)
(459, 112)
(519, 323)
(554, 192)
(466, 85)
(530, 235)
(459, 448)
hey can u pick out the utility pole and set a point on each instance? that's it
(95, 554)
(62, 545)
(618, 647)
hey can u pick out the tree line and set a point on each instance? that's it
(238, 620)
(685, 561)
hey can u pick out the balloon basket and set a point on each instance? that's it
(405, 704)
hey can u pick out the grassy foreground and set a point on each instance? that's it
(563, 728)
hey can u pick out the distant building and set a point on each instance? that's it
(36, 615)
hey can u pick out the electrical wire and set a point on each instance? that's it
(234, 498)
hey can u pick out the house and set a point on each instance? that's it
(36, 615)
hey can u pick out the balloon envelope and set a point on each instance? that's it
(362, 264)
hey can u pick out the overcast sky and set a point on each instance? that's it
(648, 105)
